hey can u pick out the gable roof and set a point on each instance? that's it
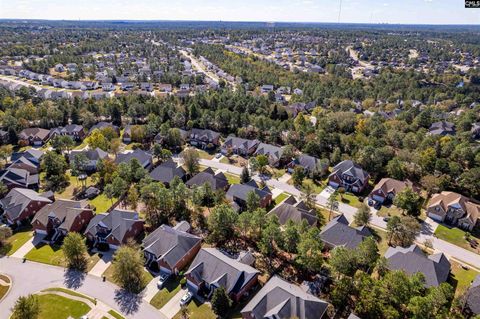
(216, 181)
(241, 191)
(269, 150)
(295, 211)
(118, 222)
(240, 143)
(170, 244)
(308, 162)
(66, 211)
(281, 299)
(34, 132)
(473, 296)
(390, 185)
(91, 154)
(204, 134)
(15, 202)
(166, 171)
(442, 128)
(213, 267)
(349, 168)
(19, 177)
(412, 259)
(446, 199)
(142, 157)
(338, 233)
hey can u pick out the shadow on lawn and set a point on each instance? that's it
(127, 301)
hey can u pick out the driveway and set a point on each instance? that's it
(102, 264)
(173, 305)
(29, 245)
(31, 277)
(151, 289)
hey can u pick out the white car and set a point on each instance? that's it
(186, 298)
(218, 155)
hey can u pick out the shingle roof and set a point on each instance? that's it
(349, 168)
(308, 162)
(66, 211)
(269, 150)
(241, 191)
(93, 155)
(18, 176)
(442, 128)
(239, 143)
(412, 259)
(118, 222)
(281, 299)
(446, 199)
(216, 181)
(338, 233)
(15, 202)
(34, 132)
(166, 171)
(213, 267)
(473, 296)
(142, 157)
(293, 211)
(170, 244)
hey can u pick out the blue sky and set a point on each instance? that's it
(369, 11)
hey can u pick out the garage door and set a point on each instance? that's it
(436, 217)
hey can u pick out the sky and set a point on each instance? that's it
(352, 11)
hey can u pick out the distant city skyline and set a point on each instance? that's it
(350, 11)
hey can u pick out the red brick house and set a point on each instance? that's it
(21, 204)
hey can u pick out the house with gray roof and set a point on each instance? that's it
(310, 165)
(237, 194)
(94, 156)
(411, 260)
(239, 146)
(33, 136)
(19, 177)
(338, 233)
(212, 269)
(21, 204)
(204, 138)
(217, 181)
(476, 130)
(114, 229)
(102, 125)
(281, 299)
(350, 176)
(442, 128)
(144, 158)
(167, 171)
(472, 298)
(170, 249)
(273, 153)
(296, 211)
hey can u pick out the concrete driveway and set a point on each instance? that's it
(29, 245)
(173, 305)
(151, 289)
(102, 264)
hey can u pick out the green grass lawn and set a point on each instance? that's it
(17, 240)
(109, 275)
(316, 186)
(198, 311)
(47, 254)
(115, 314)
(161, 298)
(102, 203)
(59, 307)
(204, 155)
(224, 160)
(390, 211)
(3, 291)
(232, 179)
(72, 293)
(350, 199)
(455, 236)
(461, 278)
(74, 184)
(280, 198)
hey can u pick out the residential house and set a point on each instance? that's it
(350, 176)
(472, 298)
(412, 260)
(108, 87)
(216, 181)
(273, 153)
(442, 128)
(18, 177)
(204, 138)
(114, 229)
(170, 249)
(33, 136)
(127, 134)
(281, 299)
(21, 204)
(239, 146)
(266, 88)
(59, 218)
(476, 130)
(28, 160)
(338, 233)
(76, 132)
(238, 193)
(162, 140)
(212, 269)
(165, 88)
(294, 210)
(103, 125)
(144, 158)
(93, 157)
(454, 209)
(311, 165)
(387, 188)
(167, 171)
(4, 137)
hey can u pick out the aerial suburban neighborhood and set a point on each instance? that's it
(195, 169)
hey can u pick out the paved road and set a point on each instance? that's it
(32, 277)
(197, 65)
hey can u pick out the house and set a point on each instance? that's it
(144, 158)
(59, 68)
(212, 269)
(33, 136)
(238, 194)
(273, 153)
(442, 128)
(454, 209)
(216, 181)
(127, 86)
(472, 298)
(170, 249)
(204, 138)
(18, 177)
(61, 217)
(387, 188)
(163, 140)
(338, 233)
(350, 176)
(20, 204)
(93, 157)
(476, 131)
(113, 229)
(310, 165)
(296, 211)
(147, 87)
(4, 137)
(165, 88)
(281, 299)
(103, 125)
(28, 160)
(411, 260)
(266, 88)
(108, 87)
(239, 146)
(166, 171)
(76, 132)
(127, 134)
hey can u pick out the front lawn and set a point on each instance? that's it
(204, 155)
(456, 236)
(47, 254)
(382, 240)
(101, 203)
(197, 310)
(232, 179)
(350, 199)
(461, 278)
(171, 288)
(389, 211)
(72, 293)
(17, 240)
(92, 261)
(280, 198)
(59, 307)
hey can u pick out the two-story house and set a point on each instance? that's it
(204, 138)
(239, 146)
(350, 176)
(21, 204)
(454, 209)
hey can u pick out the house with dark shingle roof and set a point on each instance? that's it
(476, 131)
(28, 160)
(411, 260)
(281, 299)
(472, 298)
(296, 211)
(170, 249)
(144, 158)
(350, 176)
(204, 138)
(61, 217)
(442, 128)
(102, 125)
(33, 136)
(76, 132)
(217, 181)
(338, 233)
(239, 146)
(18, 177)
(309, 164)
(238, 194)
(114, 228)
(166, 171)
(212, 269)
(387, 188)
(93, 157)
(21, 204)
(273, 153)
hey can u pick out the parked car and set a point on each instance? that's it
(162, 280)
(186, 298)
(218, 155)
